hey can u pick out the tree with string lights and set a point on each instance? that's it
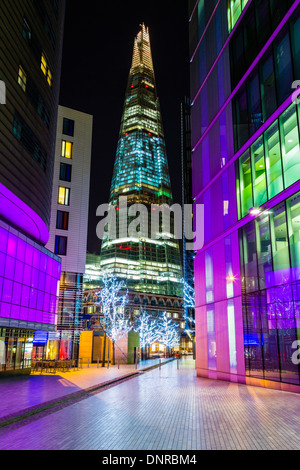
(148, 330)
(189, 303)
(168, 332)
(113, 300)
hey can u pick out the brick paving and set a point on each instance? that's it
(22, 393)
(168, 409)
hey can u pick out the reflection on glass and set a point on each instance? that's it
(211, 340)
(264, 252)
(232, 337)
(283, 66)
(269, 339)
(268, 89)
(280, 248)
(271, 309)
(250, 257)
(254, 339)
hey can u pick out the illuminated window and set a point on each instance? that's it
(63, 196)
(235, 9)
(22, 78)
(67, 149)
(46, 70)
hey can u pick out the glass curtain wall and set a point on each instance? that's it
(270, 255)
(271, 164)
(270, 83)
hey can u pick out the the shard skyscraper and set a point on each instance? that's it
(141, 175)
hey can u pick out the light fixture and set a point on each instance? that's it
(255, 211)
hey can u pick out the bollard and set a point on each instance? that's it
(118, 364)
(177, 364)
(98, 360)
(88, 362)
(160, 363)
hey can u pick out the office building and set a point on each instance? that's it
(246, 171)
(31, 48)
(147, 263)
(69, 225)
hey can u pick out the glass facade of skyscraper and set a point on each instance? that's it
(246, 172)
(141, 175)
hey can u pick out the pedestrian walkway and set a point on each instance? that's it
(167, 409)
(24, 393)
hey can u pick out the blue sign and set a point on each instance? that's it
(40, 337)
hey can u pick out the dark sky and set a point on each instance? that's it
(98, 46)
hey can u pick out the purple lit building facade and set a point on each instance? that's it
(30, 47)
(246, 171)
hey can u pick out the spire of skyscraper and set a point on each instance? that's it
(141, 174)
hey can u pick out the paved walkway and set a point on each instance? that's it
(20, 394)
(167, 409)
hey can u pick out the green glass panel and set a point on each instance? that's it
(235, 9)
(273, 161)
(259, 172)
(245, 183)
(293, 214)
(290, 146)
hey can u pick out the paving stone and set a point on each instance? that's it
(168, 409)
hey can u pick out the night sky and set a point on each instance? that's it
(97, 54)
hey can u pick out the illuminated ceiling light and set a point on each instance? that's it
(255, 211)
(231, 278)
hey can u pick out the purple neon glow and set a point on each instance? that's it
(194, 9)
(15, 211)
(221, 52)
(259, 56)
(206, 28)
(29, 281)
